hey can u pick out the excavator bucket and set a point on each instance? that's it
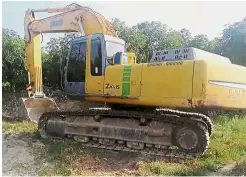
(33, 108)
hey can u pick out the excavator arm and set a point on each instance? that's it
(71, 19)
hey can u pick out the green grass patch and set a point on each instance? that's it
(163, 168)
(19, 127)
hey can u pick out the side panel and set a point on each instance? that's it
(226, 86)
(168, 83)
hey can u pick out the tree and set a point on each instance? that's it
(200, 41)
(13, 64)
(234, 42)
(120, 27)
(138, 43)
(174, 40)
(214, 46)
(156, 32)
(186, 37)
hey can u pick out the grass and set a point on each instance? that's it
(228, 144)
(19, 127)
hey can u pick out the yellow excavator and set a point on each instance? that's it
(156, 108)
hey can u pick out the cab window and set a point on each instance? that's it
(76, 63)
(96, 58)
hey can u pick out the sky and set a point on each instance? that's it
(208, 17)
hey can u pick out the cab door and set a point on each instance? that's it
(75, 70)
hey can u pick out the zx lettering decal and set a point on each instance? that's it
(108, 86)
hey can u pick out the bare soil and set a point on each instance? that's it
(22, 157)
(19, 157)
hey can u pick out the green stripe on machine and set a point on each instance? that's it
(126, 81)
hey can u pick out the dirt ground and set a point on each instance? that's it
(18, 157)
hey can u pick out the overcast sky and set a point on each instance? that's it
(198, 17)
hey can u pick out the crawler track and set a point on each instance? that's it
(159, 132)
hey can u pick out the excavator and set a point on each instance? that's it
(157, 108)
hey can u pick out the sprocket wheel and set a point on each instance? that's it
(191, 139)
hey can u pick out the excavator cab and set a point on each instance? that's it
(103, 50)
